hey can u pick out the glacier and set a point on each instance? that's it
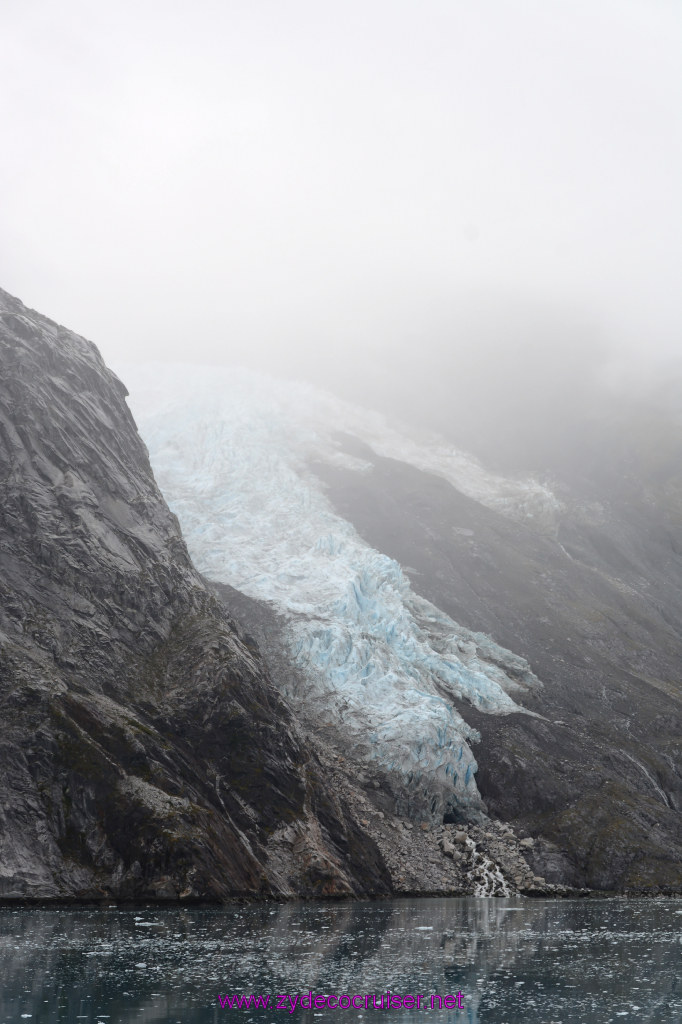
(232, 452)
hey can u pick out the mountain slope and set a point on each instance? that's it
(144, 752)
(600, 773)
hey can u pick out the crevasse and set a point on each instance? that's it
(231, 451)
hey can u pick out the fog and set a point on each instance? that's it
(475, 199)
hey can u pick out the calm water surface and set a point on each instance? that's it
(514, 961)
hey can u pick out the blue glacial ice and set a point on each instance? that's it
(231, 451)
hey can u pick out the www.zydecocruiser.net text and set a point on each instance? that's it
(385, 1001)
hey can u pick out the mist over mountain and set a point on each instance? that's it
(527, 386)
(391, 599)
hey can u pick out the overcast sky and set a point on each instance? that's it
(265, 181)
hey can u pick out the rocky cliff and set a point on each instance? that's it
(144, 752)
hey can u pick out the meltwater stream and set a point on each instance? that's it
(513, 960)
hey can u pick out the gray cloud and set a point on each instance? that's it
(345, 186)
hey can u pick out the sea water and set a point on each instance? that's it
(494, 961)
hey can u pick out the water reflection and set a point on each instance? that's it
(537, 962)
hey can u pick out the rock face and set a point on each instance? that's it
(144, 752)
(594, 603)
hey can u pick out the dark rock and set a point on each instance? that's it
(144, 752)
(593, 601)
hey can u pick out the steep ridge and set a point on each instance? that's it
(144, 752)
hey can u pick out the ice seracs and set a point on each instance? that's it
(231, 451)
